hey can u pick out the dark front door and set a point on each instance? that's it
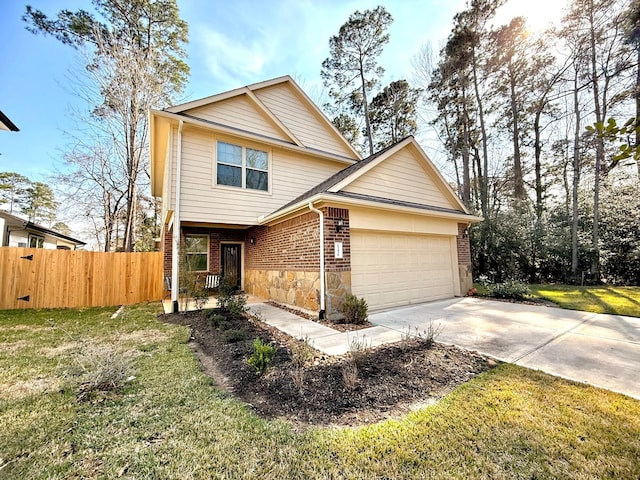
(231, 264)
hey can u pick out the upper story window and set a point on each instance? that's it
(36, 241)
(242, 167)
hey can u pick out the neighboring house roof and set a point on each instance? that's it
(269, 103)
(6, 124)
(12, 220)
(332, 188)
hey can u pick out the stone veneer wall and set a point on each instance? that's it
(464, 259)
(283, 262)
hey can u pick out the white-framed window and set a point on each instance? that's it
(36, 241)
(196, 252)
(243, 167)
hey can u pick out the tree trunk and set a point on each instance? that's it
(517, 160)
(576, 181)
(484, 183)
(638, 106)
(366, 110)
(537, 148)
(595, 234)
(466, 142)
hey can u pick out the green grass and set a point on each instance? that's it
(170, 421)
(599, 299)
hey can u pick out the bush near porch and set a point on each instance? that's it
(168, 420)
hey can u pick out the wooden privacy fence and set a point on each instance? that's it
(39, 278)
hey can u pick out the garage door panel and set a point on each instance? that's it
(390, 269)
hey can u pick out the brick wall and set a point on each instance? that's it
(216, 235)
(167, 250)
(292, 245)
(331, 236)
(464, 247)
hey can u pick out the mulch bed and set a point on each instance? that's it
(391, 379)
(341, 327)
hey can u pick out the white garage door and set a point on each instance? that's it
(391, 269)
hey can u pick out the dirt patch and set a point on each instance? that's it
(390, 381)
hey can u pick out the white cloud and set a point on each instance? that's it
(229, 60)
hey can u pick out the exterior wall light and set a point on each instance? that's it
(465, 233)
(339, 224)
(252, 241)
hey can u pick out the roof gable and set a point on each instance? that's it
(301, 116)
(403, 174)
(277, 108)
(383, 178)
(245, 112)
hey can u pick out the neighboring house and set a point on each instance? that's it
(264, 190)
(6, 124)
(18, 232)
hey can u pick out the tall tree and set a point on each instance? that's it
(12, 190)
(393, 113)
(137, 62)
(632, 30)
(596, 27)
(352, 71)
(39, 204)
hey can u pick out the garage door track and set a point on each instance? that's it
(602, 350)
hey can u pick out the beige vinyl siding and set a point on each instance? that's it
(393, 269)
(204, 201)
(370, 219)
(402, 177)
(240, 112)
(301, 120)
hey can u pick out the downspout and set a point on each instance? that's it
(322, 287)
(175, 257)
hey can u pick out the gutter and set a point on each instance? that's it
(175, 254)
(322, 286)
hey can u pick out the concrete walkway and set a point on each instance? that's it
(602, 350)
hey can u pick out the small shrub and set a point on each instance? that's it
(428, 337)
(350, 374)
(98, 368)
(230, 300)
(216, 318)
(511, 289)
(302, 353)
(358, 350)
(298, 377)
(262, 355)
(234, 335)
(355, 310)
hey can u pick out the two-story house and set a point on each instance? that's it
(264, 190)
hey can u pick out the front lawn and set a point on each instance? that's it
(170, 421)
(598, 299)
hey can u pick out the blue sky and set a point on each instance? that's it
(231, 44)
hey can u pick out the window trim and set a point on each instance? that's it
(37, 237)
(207, 252)
(243, 166)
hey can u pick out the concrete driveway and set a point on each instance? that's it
(602, 350)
